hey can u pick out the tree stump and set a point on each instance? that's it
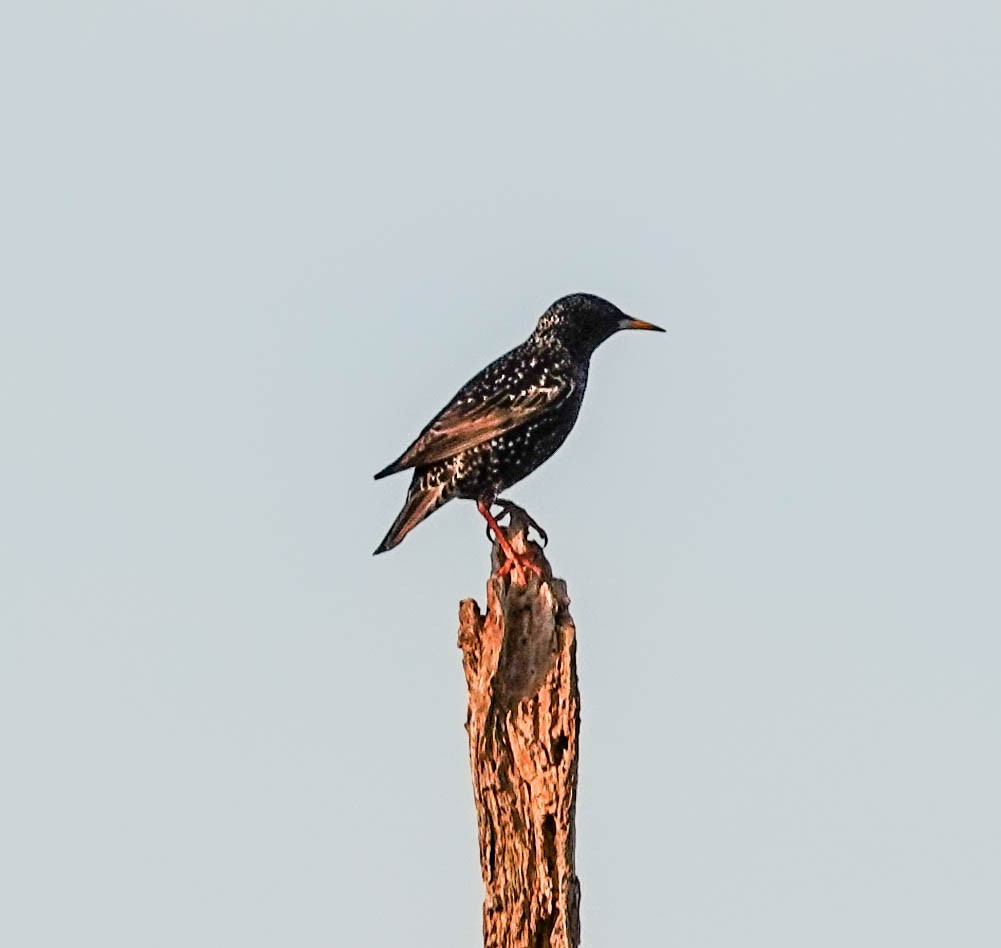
(523, 720)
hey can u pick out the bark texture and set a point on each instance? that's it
(523, 720)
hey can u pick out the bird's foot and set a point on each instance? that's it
(515, 563)
(512, 510)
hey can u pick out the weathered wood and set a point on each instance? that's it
(523, 721)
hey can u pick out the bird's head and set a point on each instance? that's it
(581, 322)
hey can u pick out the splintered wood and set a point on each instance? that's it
(523, 722)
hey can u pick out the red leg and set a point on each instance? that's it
(514, 562)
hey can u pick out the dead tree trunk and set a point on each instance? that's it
(523, 720)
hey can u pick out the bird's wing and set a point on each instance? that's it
(494, 402)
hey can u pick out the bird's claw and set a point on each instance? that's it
(507, 507)
(515, 563)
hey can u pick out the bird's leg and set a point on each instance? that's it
(507, 506)
(514, 563)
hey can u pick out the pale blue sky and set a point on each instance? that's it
(249, 249)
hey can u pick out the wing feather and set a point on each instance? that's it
(494, 402)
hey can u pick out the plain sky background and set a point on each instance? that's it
(248, 249)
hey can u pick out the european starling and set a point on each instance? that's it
(503, 423)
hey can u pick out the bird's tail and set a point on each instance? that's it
(421, 503)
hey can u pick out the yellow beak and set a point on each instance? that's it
(639, 324)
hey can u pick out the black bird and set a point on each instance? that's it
(503, 423)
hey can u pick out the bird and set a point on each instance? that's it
(508, 419)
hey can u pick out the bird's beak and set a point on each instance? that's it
(628, 323)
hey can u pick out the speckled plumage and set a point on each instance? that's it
(504, 422)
